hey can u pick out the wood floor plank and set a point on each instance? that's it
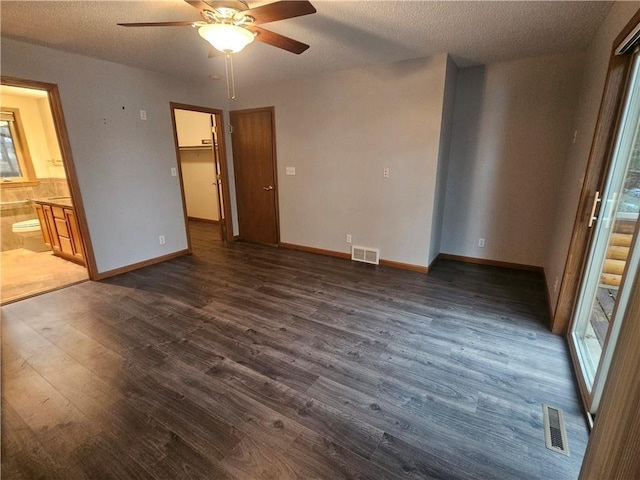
(414, 463)
(342, 428)
(423, 430)
(23, 456)
(57, 425)
(255, 459)
(102, 457)
(138, 433)
(211, 436)
(88, 352)
(312, 456)
(244, 349)
(250, 362)
(249, 416)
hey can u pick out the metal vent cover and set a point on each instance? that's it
(555, 433)
(366, 255)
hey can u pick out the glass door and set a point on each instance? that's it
(613, 254)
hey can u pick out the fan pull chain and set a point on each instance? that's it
(231, 83)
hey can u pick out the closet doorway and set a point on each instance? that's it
(202, 167)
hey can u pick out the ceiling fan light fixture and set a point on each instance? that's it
(226, 37)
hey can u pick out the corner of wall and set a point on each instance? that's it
(444, 148)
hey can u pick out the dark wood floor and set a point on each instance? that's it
(252, 362)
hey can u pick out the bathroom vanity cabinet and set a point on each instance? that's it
(60, 228)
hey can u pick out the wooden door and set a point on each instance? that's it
(254, 160)
(218, 185)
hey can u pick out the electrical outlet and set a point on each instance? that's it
(481, 242)
(348, 238)
(161, 240)
(385, 173)
(143, 114)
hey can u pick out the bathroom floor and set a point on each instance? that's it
(24, 273)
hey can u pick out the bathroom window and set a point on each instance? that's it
(15, 161)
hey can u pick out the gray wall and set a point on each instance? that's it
(340, 130)
(443, 158)
(596, 64)
(512, 125)
(123, 163)
(507, 179)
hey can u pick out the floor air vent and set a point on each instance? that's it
(555, 434)
(364, 254)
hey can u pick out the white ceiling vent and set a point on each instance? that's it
(366, 255)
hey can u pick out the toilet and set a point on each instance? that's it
(31, 234)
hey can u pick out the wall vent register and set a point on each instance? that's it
(366, 255)
(555, 434)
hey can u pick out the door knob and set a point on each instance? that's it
(270, 187)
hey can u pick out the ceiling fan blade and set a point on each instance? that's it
(280, 11)
(200, 5)
(159, 24)
(277, 40)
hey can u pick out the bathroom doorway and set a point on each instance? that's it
(42, 245)
(202, 167)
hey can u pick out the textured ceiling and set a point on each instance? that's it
(342, 34)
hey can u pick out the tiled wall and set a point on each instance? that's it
(10, 214)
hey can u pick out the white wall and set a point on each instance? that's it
(56, 168)
(40, 134)
(123, 163)
(443, 158)
(596, 65)
(340, 130)
(512, 125)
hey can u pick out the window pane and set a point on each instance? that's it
(9, 166)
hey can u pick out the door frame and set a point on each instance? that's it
(599, 160)
(62, 135)
(597, 253)
(272, 111)
(224, 175)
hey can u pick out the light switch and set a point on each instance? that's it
(174, 172)
(143, 114)
(291, 170)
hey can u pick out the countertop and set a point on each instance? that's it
(57, 201)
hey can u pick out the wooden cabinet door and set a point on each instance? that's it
(51, 226)
(74, 233)
(61, 232)
(43, 225)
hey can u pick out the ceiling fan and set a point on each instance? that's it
(229, 26)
